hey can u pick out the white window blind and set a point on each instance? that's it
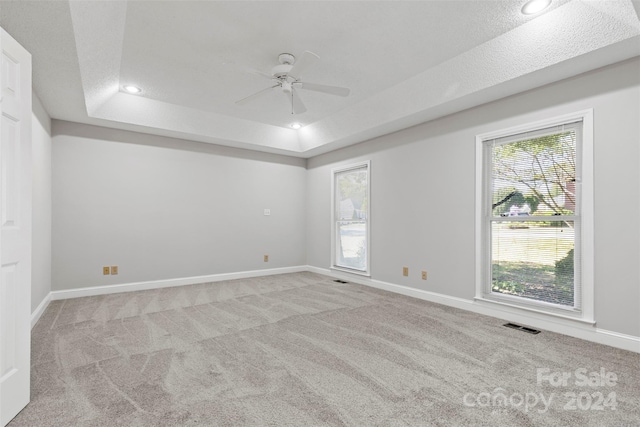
(532, 217)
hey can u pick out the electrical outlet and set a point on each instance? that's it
(405, 271)
(266, 258)
(424, 275)
(114, 269)
(105, 271)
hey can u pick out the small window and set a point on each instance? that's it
(350, 218)
(532, 225)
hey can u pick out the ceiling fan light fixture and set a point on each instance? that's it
(132, 89)
(534, 6)
(295, 126)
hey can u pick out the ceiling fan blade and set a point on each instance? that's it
(302, 64)
(247, 70)
(297, 106)
(255, 95)
(332, 90)
(258, 73)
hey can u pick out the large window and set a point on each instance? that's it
(350, 240)
(532, 225)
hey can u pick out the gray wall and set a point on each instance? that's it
(423, 189)
(162, 208)
(41, 232)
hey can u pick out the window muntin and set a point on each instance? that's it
(350, 240)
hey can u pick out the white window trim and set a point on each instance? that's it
(334, 171)
(587, 313)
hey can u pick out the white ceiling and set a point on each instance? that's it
(405, 62)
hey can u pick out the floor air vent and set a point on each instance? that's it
(340, 281)
(522, 328)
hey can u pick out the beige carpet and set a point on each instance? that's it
(302, 350)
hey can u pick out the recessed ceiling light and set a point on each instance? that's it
(296, 126)
(534, 6)
(131, 89)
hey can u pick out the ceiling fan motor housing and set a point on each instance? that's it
(286, 58)
(281, 70)
(286, 64)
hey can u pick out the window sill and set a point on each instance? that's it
(535, 310)
(350, 271)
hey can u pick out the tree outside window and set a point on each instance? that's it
(533, 216)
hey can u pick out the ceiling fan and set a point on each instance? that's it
(287, 77)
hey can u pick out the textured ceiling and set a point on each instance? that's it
(405, 62)
(366, 47)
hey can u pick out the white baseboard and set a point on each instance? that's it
(614, 338)
(37, 313)
(156, 284)
(559, 325)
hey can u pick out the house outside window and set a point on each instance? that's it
(350, 218)
(535, 216)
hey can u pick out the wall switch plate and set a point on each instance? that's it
(267, 212)
(105, 271)
(114, 269)
(405, 271)
(266, 258)
(424, 275)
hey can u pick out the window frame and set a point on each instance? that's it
(584, 214)
(334, 264)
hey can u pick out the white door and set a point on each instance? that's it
(15, 227)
